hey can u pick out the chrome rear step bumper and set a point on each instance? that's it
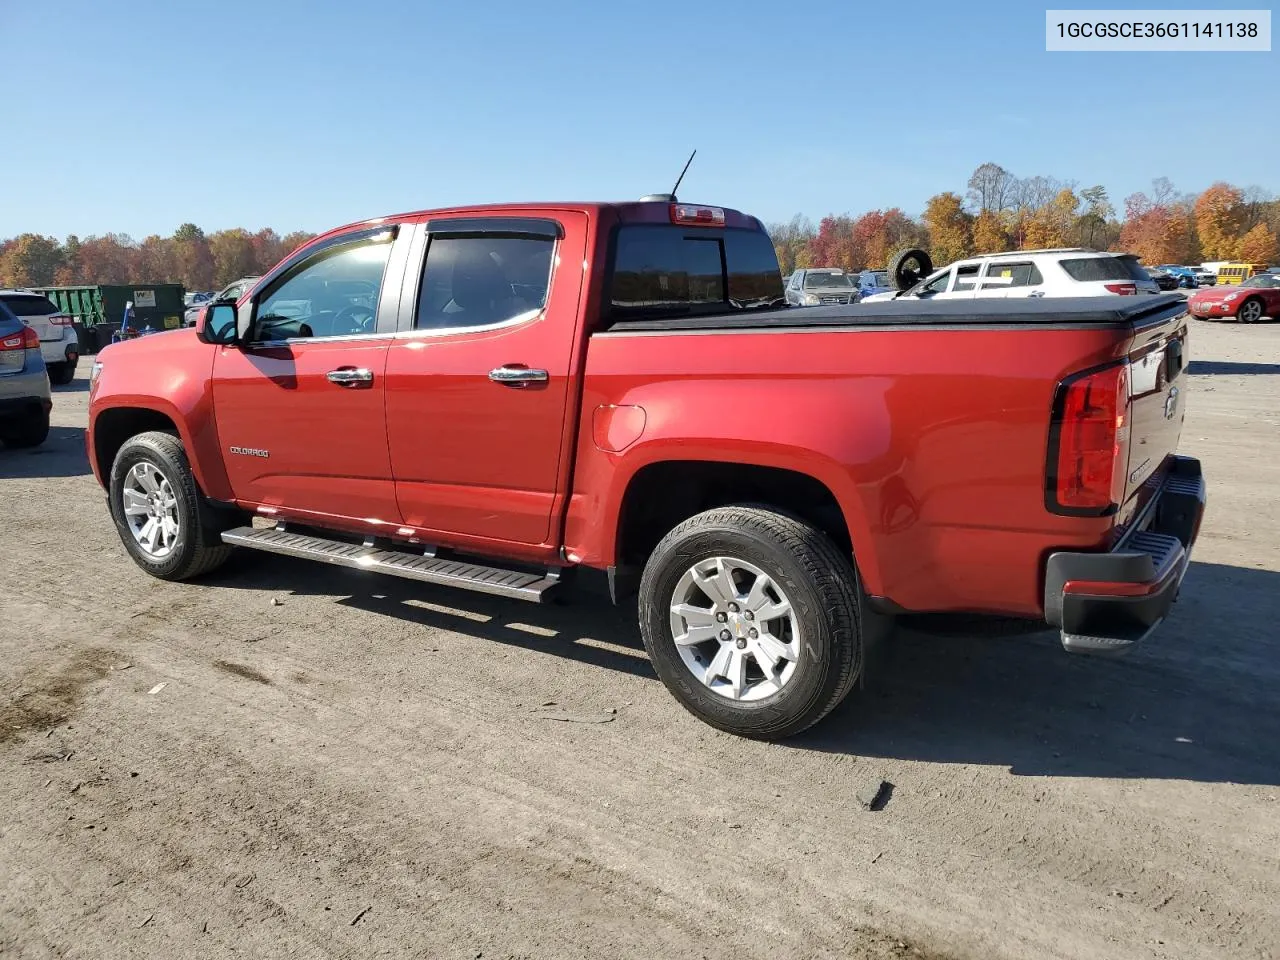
(1106, 603)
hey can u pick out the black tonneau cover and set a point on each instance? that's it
(1057, 312)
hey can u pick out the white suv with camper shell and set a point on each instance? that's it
(1060, 272)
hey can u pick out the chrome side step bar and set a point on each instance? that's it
(517, 584)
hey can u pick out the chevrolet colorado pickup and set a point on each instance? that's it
(492, 397)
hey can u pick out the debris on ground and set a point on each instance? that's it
(157, 688)
(874, 794)
(360, 916)
(277, 602)
(605, 717)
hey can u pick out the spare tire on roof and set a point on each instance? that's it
(909, 267)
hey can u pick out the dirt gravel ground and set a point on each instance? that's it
(289, 760)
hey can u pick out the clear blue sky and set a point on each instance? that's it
(304, 114)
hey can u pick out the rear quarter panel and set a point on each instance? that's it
(932, 440)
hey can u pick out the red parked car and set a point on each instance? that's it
(1248, 302)
(496, 397)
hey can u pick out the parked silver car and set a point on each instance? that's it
(821, 285)
(25, 396)
(232, 291)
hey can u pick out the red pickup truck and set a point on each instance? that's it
(492, 397)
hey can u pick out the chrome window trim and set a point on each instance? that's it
(529, 316)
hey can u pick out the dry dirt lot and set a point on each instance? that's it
(370, 768)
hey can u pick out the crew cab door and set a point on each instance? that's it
(958, 282)
(299, 401)
(479, 380)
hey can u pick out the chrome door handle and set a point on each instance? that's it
(1036, 293)
(518, 376)
(346, 376)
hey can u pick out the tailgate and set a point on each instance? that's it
(37, 312)
(1157, 366)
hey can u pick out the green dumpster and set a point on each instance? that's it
(157, 305)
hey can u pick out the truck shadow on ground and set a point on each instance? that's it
(1199, 368)
(1196, 703)
(61, 455)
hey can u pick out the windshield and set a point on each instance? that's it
(1261, 281)
(827, 280)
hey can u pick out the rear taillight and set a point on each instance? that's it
(700, 216)
(60, 320)
(1089, 443)
(1124, 289)
(26, 340)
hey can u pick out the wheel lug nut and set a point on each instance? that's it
(749, 615)
(725, 635)
(721, 617)
(733, 608)
(742, 644)
(753, 633)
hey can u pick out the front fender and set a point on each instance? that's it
(168, 374)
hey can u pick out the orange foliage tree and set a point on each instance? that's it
(1259, 246)
(950, 228)
(1220, 215)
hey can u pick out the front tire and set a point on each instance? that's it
(155, 504)
(1250, 311)
(751, 620)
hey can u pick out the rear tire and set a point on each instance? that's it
(1251, 310)
(60, 374)
(27, 433)
(195, 547)
(805, 574)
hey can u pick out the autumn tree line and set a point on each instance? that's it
(998, 212)
(1001, 212)
(197, 260)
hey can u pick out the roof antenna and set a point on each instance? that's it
(670, 197)
(682, 173)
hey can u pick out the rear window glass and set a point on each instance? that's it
(1099, 268)
(29, 306)
(663, 270)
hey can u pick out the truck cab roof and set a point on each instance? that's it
(623, 211)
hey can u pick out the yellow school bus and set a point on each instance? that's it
(1238, 272)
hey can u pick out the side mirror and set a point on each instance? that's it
(219, 325)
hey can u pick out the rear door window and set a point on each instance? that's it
(1002, 276)
(1087, 269)
(661, 270)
